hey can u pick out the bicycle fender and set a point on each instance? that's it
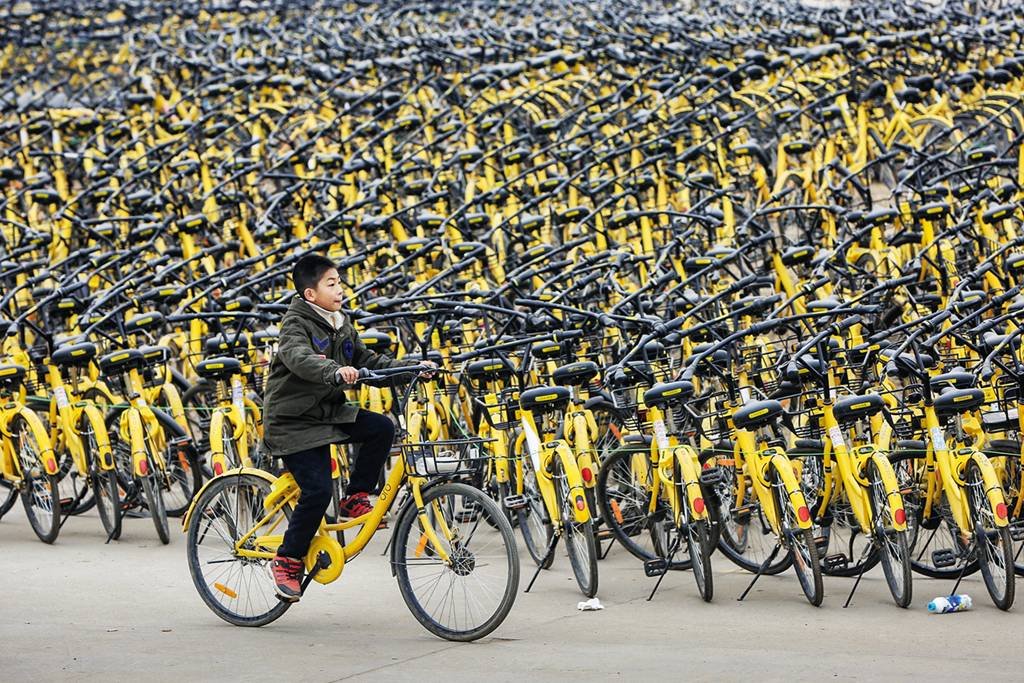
(892, 490)
(784, 467)
(993, 490)
(689, 468)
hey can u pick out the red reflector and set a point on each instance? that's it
(587, 474)
(143, 467)
(1001, 510)
(51, 465)
(698, 505)
(218, 469)
(580, 503)
(334, 465)
(901, 516)
(803, 513)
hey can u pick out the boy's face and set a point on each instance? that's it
(328, 293)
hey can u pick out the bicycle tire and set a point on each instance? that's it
(443, 498)
(212, 506)
(579, 538)
(894, 555)
(993, 548)
(106, 491)
(800, 544)
(154, 494)
(40, 495)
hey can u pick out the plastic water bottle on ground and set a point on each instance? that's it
(950, 603)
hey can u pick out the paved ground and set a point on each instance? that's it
(80, 610)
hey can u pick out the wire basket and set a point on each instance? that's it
(710, 415)
(448, 458)
(905, 418)
(1002, 415)
(804, 415)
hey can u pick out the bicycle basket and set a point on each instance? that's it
(446, 458)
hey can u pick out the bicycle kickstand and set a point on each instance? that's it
(662, 571)
(540, 565)
(760, 570)
(863, 566)
(74, 504)
(970, 551)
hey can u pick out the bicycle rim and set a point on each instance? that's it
(580, 543)
(802, 549)
(239, 590)
(892, 544)
(993, 548)
(40, 491)
(469, 596)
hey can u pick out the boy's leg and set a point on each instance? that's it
(374, 433)
(312, 472)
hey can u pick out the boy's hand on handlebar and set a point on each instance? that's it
(348, 374)
(427, 374)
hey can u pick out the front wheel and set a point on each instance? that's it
(993, 548)
(468, 596)
(580, 542)
(698, 536)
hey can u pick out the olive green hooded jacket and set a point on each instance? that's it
(304, 405)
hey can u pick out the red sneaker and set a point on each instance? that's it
(287, 572)
(356, 505)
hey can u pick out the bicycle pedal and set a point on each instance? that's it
(515, 502)
(834, 562)
(946, 557)
(742, 514)
(713, 477)
(655, 567)
(466, 516)
(1017, 531)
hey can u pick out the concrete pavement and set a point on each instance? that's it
(80, 610)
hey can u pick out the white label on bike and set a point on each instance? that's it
(532, 445)
(938, 439)
(835, 434)
(660, 434)
(236, 395)
(62, 397)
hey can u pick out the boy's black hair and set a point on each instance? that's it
(308, 271)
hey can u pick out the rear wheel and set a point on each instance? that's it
(239, 590)
(892, 544)
(744, 534)
(698, 536)
(580, 542)
(154, 494)
(39, 491)
(800, 543)
(993, 548)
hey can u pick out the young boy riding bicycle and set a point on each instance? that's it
(306, 411)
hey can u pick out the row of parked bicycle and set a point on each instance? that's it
(744, 280)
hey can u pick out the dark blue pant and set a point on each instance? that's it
(312, 471)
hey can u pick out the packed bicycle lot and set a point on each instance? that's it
(741, 281)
